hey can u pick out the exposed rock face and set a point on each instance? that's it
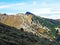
(16, 20)
(58, 30)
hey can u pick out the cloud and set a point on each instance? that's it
(11, 5)
(51, 16)
(54, 16)
(44, 9)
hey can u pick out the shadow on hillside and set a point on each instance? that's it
(12, 36)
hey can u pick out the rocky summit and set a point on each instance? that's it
(28, 29)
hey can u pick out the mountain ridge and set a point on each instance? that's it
(44, 27)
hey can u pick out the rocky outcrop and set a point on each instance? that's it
(16, 20)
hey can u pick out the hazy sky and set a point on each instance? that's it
(44, 8)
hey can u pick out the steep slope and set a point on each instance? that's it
(46, 28)
(12, 36)
(48, 23)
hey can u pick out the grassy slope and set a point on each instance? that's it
(50, 23)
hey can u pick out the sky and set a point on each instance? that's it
(43, 8)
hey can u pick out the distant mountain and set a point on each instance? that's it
(47, 29)
(58, 19)
(28, 13)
